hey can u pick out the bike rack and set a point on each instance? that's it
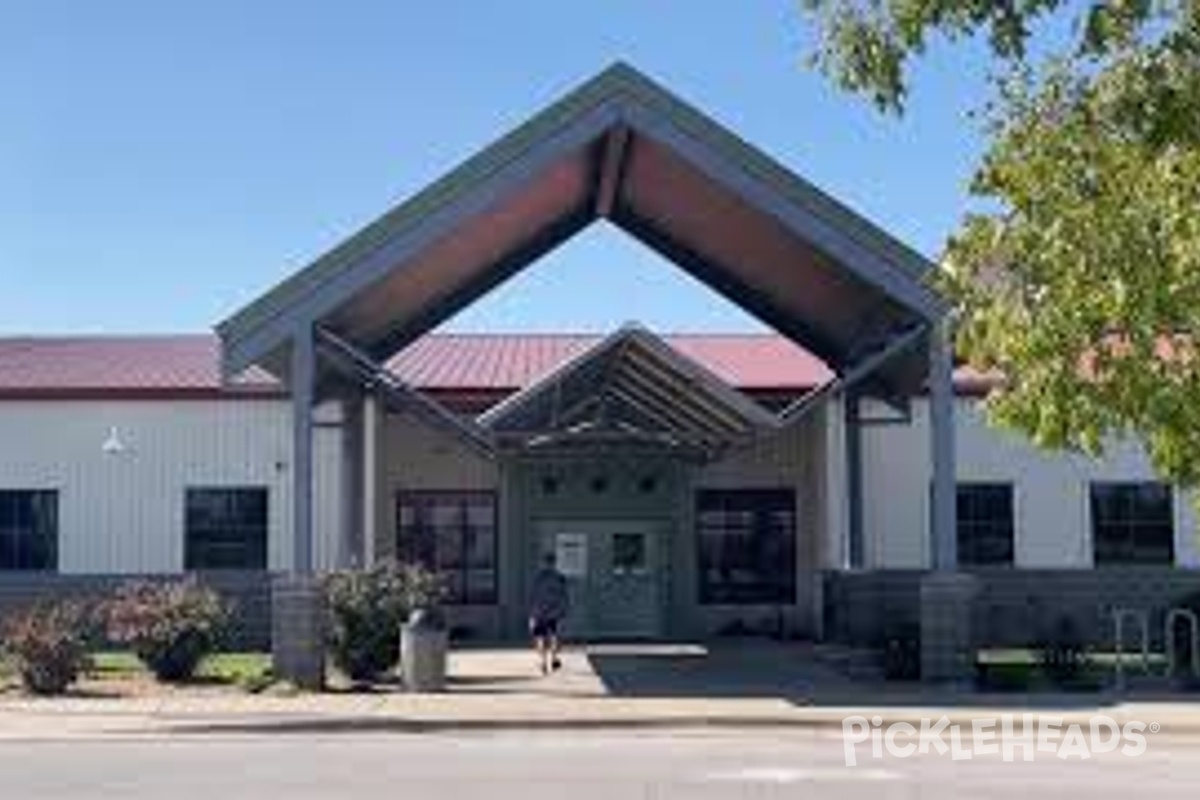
(1142, 620)
(1169, 639)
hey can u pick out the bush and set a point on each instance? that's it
(366, 610)
(170, 626)
(48, 645)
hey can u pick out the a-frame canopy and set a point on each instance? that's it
(624, 149)
(630, 389)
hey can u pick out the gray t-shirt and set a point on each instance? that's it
(549, 599)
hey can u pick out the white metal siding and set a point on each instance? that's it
(1051, 491)
(123, 512)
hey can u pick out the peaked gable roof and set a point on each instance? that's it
(632, 384)
(621, 148)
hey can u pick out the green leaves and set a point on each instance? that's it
(1082, 286)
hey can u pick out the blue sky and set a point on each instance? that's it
(163, 163)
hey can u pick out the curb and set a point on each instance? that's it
(395, 724)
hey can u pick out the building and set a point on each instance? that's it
(804, 483)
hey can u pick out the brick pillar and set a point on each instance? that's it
(947, 645)
(298, 631)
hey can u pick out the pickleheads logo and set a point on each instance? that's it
(1008, 735)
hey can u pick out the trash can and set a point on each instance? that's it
(424, 641)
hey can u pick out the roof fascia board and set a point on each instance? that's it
(482, 163)
(489, 278)
(651, 95)
(719, 278)
(414, 226)
(834, 238)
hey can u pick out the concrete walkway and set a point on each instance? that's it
(614, 687)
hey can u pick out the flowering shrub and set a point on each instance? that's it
(366, 609)
(171, 626)
(48, 644)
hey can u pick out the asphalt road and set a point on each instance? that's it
(610, 766)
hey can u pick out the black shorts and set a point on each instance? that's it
(543, 628)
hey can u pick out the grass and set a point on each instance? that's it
(1018, 668)
(248, 671)
(218, 668)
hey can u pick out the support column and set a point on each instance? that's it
(353, 546)
(943, 527)
(946, 594)
(835, 492)
(297, 611)
(370, 471)
(854, 480)
(302, 379)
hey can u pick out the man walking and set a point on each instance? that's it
(549, 603)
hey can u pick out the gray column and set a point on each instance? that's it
(947, 596)
(371, 424)
(352, 545)
(943, 522)
(302, 389)
(297, 610)
(854, 480)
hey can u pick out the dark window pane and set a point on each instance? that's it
(746, 546)
(28, 530)
(453, 533)
(985, 524)
(628, 552)
(1132, 523)
(226, 528)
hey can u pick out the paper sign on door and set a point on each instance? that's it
(570, 554)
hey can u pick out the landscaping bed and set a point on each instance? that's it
(122, 674)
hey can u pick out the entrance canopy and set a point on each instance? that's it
(630, 389)
(623, 149)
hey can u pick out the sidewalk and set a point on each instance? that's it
(499, 690)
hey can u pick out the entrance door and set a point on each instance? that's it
(615, 571)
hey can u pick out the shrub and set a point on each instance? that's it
(170, 626)
(48, 645)
(366, 609)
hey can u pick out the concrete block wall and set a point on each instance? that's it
(1011, 608)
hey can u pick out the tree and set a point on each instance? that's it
(1081, 283)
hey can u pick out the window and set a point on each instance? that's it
(226, 528)
(985, 524)
(628, 553)
(747, 546)
(1132, 523)
(453, 533)
(28, 530)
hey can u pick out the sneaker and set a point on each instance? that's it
(556, 664)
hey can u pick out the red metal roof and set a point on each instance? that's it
(188, 365)
(489, 362)
(184, 365)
